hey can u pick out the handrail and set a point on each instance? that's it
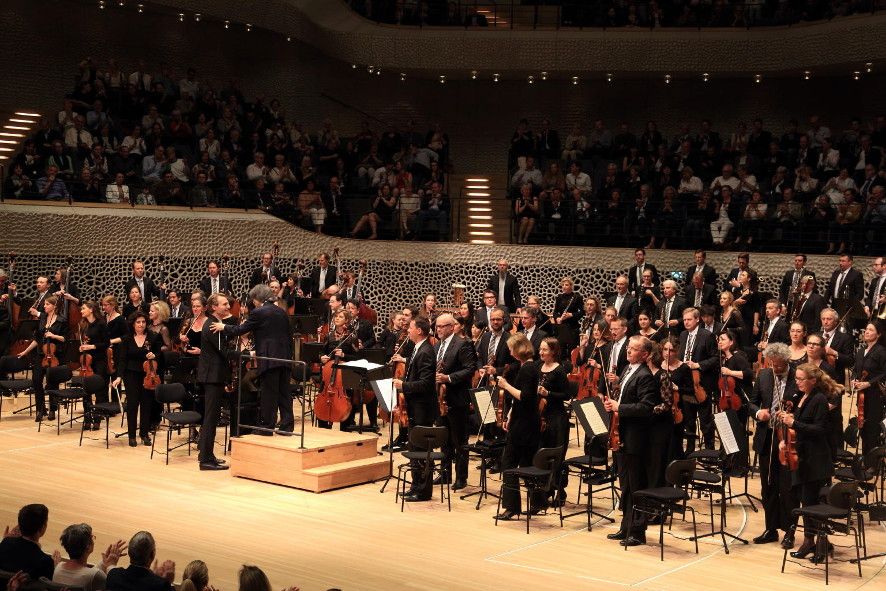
(338, 101)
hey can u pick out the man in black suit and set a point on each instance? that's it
(708, 273)
(492, 350)
(215, 282)
(176, 308)
(635, 273)
(624, 303)
(615, 352)
(810, 306)
(773, 385)
(144, 283)
(213, 372)
(266, 272)
(505, 287)
(709, 320)
(876, 289)
(700, 294)
(322, 276)
(846, 287)
(483, 314)
(529, 321)
(775, 327)
(271, 332)
(139, 576)
(791, 279)
(638, 396)
(456, 362)
(836, 342)
(698, 349)
(669, 309)
(418, 387)
(20, 549)
(744, 264)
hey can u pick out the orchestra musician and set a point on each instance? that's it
(648, 292)
(342, 344)
(483, 314)
(543, 320)
(731, 283)
(774, 385)
(146, 286)
(323, 276)
(421, 400)
(116, 328)
(528, 321)
(66, 291)
(554, 388)
(730, 317)
(214, 281)
(634, 406)
(492, 352)
(568, 312)
(868, 377)
(698, 350)
(809, 305)
(645, 328)
(809, 420)
(749, 305)
(138, 346)
(36, 310)
(709, 320)
(50, 330)
(700, 293)
(876, 297)
(775, 328)
(174, 301)
(593, 312)
(838, 345)
(5, 316)
(158, 316)
(213, 373)
(191, 336)
(134, 302)
(614, 354)
(635, 273)
(846, 287)
(701, 267)
(797, 346)
(365, 334)
(506, 287)
(791, 279)
(661, 424)
(428, 308)
(465, 315)
(455, 366)
(624, 303)
(681, 378)
(735, 365)
(522, 426)
(815, 355)
(395, 339)
(266, 271)
(350, 291)
(93, 334)
(669, 308)
(271, 332)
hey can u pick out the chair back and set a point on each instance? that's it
(169, 393)
(679, 472)
(14, 364)
(843, 495)
(94, 384)
(873, 458)
(58, 375)
(428, 438)
(548, 458)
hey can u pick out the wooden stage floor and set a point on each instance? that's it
(356, 538)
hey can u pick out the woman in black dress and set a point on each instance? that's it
(868, 377)
(341, 345)
(383, 207)
(750, 305)
(730, 317)
(522, 425)
(134, 303)
(135, 348)
(568, 312)
(526, 211)
(158, 316)
(815, 355)
(661, 425)
(94, 341)
(116, 329)
(554, 393)
(680, 376)
(734, 364)
(194, 327)
(49, 334)
(797, 346)
(809, 420)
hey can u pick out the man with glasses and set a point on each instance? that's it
(529, 321)
(483, 316)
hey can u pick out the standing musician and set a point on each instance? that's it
(635, 273)
(594, 311)
(398, 348)
(506, 287)
(365, 335)
(158, 316)
(791, 279)
(681, 378)
(543, 320)
(135, 348)
(483, 315)
(809, 306)
(735, 365)
(868, 379)
(634, 406)
(191, 335)
(701, 267)
(465, 316)
(731, 283)
(775, 384)
(421, 400)
(350, 291)
(700, 293)
(529, 320)
(134, 302)
(648, 292)
(323, 276)
(213, 372)
(568, 312)
(176, 308)
(730, 317)
(36, 310)
(116, 328)
(815, 355)
(613, 355)
(522, 426)
(875, 303)
(775, 327)
(49, 333)
(698, 350)
(266, 272)
(456, 363)
(5, 314)
(661, 423)
(148, 289)
(554, 390)
(669, 309)
(271, 332)
(846, 286)
(709, 320)
(493, 354)
(342, 344)
(215, 281)
(810, 421)
(838, 345)
(428, 308)
(93, 335)
(65, 291)
(624, 303)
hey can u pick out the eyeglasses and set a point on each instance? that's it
(815, 344)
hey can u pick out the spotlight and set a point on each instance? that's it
(402, 76)
(442, 79)
(758, 78)
(227, 24)
(807, 75)
(544, 75)
(705, 77)
(667, 78)
(181, 17)
(354, 66)
(101, 4)
(531, 79)
(868, 67)
(121, 3)
(575, 80)
(608, 77)
(141, 8)
(495, 77)
(473, 74)
(289, 38)
(370, 69)
(378, 72)
(856, 75)
(248, 28)
(197, 17)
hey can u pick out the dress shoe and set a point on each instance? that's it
(219, 462)
(804, 550)
(133, 442)
(655, 520)
(821, 552)
(441, 480)
(285, 432)
(619, 535)
(212, 466)
(96, 426)
(416, 498)
(459, 484)
(146, 440)
(39, 417)
(787, 542)
(51, 415)
(767, 537)
(632, 541)
(506, 515)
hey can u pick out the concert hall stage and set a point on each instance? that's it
(357, 539)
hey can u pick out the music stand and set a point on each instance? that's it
(484, 411)
(853, 311)
(357, 376)
(595, 422)
(302, 324)
(386, 394)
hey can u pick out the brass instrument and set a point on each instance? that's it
(458, 294)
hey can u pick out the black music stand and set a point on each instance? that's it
(484, 413)
(302, 324)
(358, 380)
(595, 422)
(386, 394)
(852, 311)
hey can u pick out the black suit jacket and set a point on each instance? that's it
(871, 300)
(135, 578)
(676, 314)
(633, 282)
(637, 399)
(628, 305)
(17, 553)
(733, 274)
(481, 317)
(419, 383)
(503, 356)
(459, 363)
(810, 312)
(331, 278)
(258, 276)
(513, 300)
(151, 289)
(852, 287)
(709, 296)
(224, 285)
(761, 398)
(844, 345)
(606, 352)
(874, 363)
(787, 281)
(707, 272)
(704, 352)
(269, 325)
(537, 337)
(780, 332)
(213, 366)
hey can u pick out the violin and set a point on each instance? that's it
(85, 359)
(499, 405)
(49, 358)
(152, 379)
(543, 403)
(700, 394)
(860, 400)
(442, 406)
(109, 355)
(729, 399)
(333, 405)
(787, 454)
(614, 437)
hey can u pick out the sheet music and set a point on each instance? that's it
(727, 437)
(385, 392)
(595, 420)
(484, 406)
(367, 365)
(589, 414)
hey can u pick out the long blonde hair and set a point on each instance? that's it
(823, 381)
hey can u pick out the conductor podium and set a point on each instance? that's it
(330, 459)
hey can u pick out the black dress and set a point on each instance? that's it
(661, 432)
(58, 327)
(815, 467)
(523, 435)
(349, 349)
(555, 417)
(129, 358)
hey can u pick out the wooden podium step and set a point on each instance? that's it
(330, 459)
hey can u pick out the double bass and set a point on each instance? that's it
(333, 405)
(365, 312)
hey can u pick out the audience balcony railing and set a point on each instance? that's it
(605, 14)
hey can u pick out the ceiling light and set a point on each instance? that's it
(667, 78)
(197, 16)
(544, 75)
(856, 75)
(227, 24)
(248, 27)
(758, 78)
(705, 77)
(473, 74)
(574, 80)
(442, 79)
(495, 77)
(868, 67)
(378, 72)
(101, 4)
(141, 8)
(608, 77)
(531, 79)
(402, 76)
(24, 114)
(807, 75)
(181, 16)
(289, 38)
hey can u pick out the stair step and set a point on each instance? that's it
(325, 478)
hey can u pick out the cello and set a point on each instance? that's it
(333, 405)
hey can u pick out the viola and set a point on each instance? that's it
(49, 358)
(543, 403)
(109, 354)
(700, 394)
(787, 454)
(614, 437)
(152, 379)
(443, 407)
(729, 399)
(860, 399)
(85, 360)
(500, 407)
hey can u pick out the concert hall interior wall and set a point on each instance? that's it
(43, 41)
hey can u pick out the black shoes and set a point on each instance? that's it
(397, 447)
(285, 432)
(804, 550)
(632, 541)
(619, 535)
(212, 465)
(263, 433)
(459, 484)
(506, 515)
(441, 480)
(146, 440)
(787, 542)
(51, 415)
(767, 537)
(133, 442)
(416, 498)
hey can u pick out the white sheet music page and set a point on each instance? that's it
(594, 419)
(484, 406)
(367, 365)
(727, 437)
(385, 390)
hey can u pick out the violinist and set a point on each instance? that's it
(554, 388)
(138, 346)
(809, 419)
(341, 345)
(775, 328)
(134, 303)
(47, 348)
(815, 355)
(645, 328)
(116, 327)
(698, 350)
(839, 346)
(614, 353)
(94, 342)
(730, 318)
(213, 373)
(271, 332)
(421, 400)
(214, 281)
(291, 291)
(734, 364)
(521, 425)
(568, 312)
(192, 333)
(543, 321)
(749, 306)
(528, 319)
(593, 311)
(394, 335)
(428, 308)
(797, 346)
(365, 334)
(67, 293)
(456, 362)
(775, 383)
(661, 423)
(869, 376)
(681, 378)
